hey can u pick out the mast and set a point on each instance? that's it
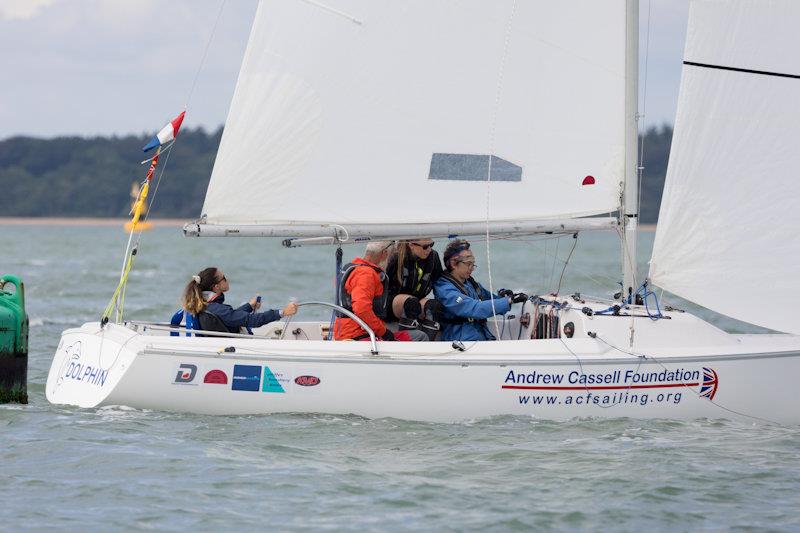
(629, 209)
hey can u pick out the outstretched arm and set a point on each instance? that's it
(459, 304)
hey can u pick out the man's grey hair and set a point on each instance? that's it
(375, 248)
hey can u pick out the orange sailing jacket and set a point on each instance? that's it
(363, 285)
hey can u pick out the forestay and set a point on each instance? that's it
(727, 230)
(361, 112)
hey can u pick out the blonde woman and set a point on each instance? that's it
(412, 271)
(206, 292)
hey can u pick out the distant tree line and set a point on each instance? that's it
(92, 177)
(657, 142)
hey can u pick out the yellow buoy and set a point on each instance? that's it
(138, 208)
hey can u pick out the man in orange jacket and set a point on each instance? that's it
(364, 291)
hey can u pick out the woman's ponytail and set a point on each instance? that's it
(193, 301)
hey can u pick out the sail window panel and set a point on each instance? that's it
(473, 167)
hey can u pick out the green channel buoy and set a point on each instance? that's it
(13, 341)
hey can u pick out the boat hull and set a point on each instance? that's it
(120, 367)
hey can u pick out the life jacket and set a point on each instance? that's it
(191, 322)
(379, 303)
(463, 289)
(417, 279)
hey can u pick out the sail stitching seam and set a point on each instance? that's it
(491, 157)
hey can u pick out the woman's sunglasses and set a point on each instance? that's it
(424, 246)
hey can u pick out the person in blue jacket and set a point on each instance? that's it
(467, 304)
(206, 292)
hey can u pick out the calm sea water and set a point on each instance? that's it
(118, 468)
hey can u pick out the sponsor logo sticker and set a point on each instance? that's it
(72, 354)
(272, 381)
(307, 381)
(73, 369)
(186, 374)
(710, 382)
(246, 377)
(217, 377)
(619, 386)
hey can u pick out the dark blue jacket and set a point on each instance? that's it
(465, 314)
(243, 316)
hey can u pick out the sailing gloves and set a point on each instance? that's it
(519, 298)
(514, 297)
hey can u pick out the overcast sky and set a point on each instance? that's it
(99, 67)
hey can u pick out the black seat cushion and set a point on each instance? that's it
(211, 322)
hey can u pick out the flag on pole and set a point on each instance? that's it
(153, 163)
(167, 133)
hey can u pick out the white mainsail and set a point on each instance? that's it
(378, 112)
(727, 230)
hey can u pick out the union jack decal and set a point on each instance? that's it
(709, 387)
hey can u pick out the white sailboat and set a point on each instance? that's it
(371, 119)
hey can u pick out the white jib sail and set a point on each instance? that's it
(727, 230)
(386, 112)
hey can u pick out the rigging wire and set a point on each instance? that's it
(642, 115)
(586, 385)
(117, 301)
(338, 12)
(205, 53)
(601, 281)
(566, 262)
(491, 158)
(544, 264)
(553, 268)
(168, 149)
(118, 298)
(641, 358)
(155, 190)
(655, 360)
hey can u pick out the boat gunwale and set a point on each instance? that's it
(447, 359)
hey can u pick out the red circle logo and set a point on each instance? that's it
(307, 381)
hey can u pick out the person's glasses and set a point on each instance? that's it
(424, 246)
(470, 264)
(223, 278)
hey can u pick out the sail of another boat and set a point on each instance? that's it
(727, 230)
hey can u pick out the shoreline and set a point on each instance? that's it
(100, 221)
(86, 221)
